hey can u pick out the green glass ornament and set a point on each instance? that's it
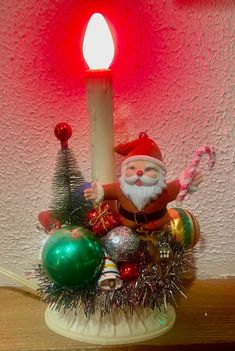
(72, 257)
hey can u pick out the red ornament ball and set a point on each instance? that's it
(63, 132)
(129, 271)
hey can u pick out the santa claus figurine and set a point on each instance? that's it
(142, 191)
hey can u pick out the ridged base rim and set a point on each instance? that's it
(114, 328)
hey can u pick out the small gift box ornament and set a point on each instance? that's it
(102, 219)
(48, 222)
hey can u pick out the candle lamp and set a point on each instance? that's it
(122, 326)
(111, 289)
(98, 52)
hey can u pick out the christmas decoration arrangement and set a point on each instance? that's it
(116, 252)
(104, 255)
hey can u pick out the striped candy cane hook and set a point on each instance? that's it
(192, 169)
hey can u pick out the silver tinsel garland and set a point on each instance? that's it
(155, 287)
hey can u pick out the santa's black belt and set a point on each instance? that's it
(142, 217)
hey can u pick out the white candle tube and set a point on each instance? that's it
(99, 93)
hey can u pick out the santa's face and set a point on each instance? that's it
(141, 172)
(142, 181)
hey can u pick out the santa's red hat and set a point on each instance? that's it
(142, 148)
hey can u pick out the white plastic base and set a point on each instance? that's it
(114, 328)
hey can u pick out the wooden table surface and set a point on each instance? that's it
(205, 321)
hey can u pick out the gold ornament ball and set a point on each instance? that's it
(184, 226)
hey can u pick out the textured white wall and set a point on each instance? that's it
(173, 76)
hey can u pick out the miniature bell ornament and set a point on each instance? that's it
(110, 278)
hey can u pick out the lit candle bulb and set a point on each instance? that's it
(98, 46)
(98, 52)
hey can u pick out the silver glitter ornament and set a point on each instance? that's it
(121, 244)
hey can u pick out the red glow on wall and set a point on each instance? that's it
(138, 45)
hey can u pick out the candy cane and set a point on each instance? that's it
(192, 169)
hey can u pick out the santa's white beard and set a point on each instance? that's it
(142, 195)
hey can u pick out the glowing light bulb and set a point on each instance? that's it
(98, 46)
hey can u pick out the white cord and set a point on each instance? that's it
(32, 286)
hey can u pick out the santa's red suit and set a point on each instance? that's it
(154, 216)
